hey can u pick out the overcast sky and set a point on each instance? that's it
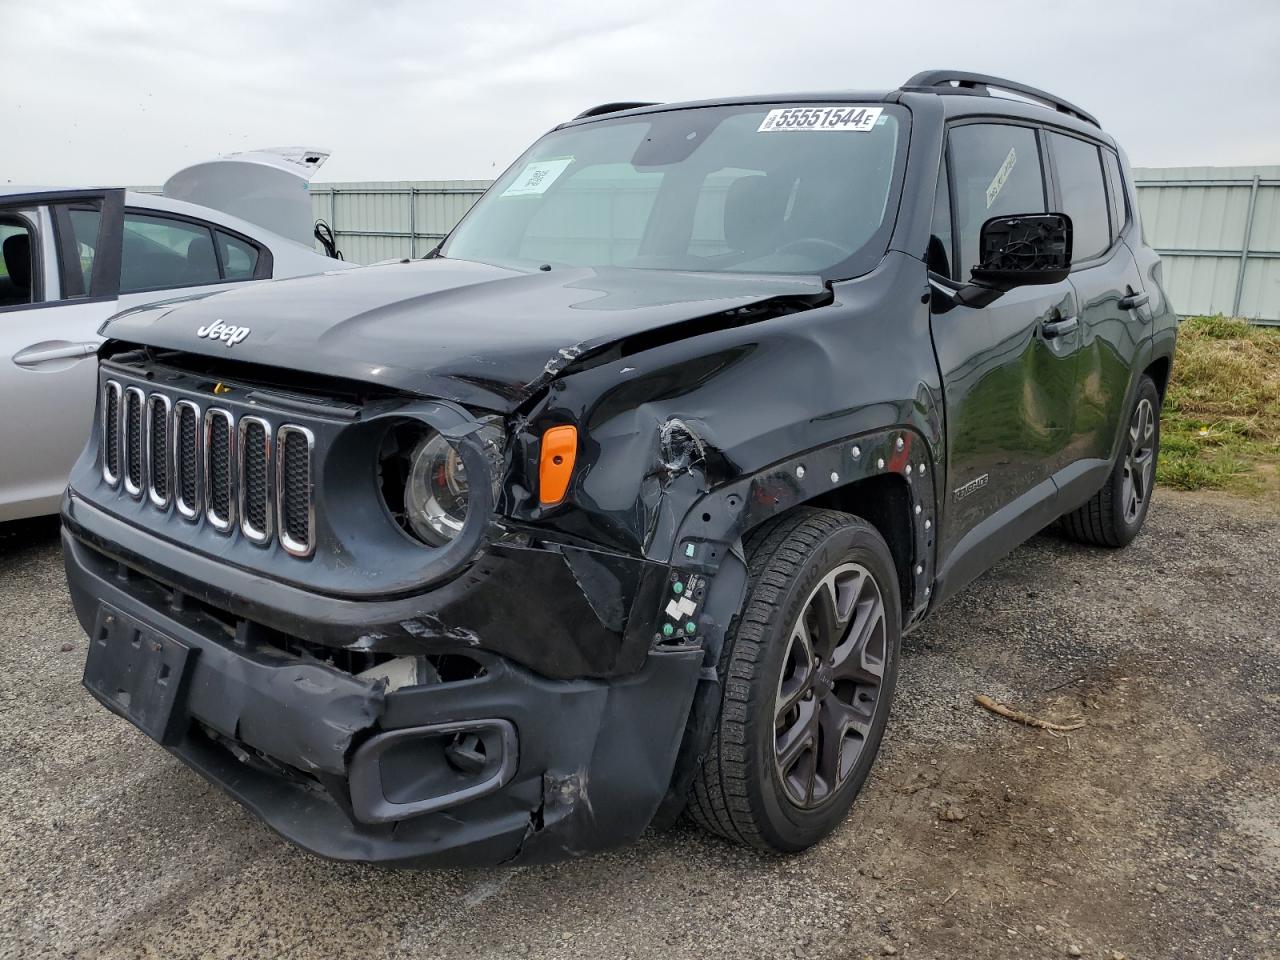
(127, 92)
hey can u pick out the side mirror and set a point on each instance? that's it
(1022, 250)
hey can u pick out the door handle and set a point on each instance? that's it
(39, 353)
(1058, 328)
(1134, 300)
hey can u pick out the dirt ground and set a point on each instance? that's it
(1152, 832)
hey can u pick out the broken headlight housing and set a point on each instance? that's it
(435, 495)
(425, 480)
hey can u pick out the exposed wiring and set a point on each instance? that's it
(324, 234)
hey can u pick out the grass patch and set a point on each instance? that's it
(1220, 428)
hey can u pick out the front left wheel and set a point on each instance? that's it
(809, 674)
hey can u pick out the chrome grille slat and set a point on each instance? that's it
(186, 458)
(111, 432)
(255, 479)
(131, 433)
(226, 466)
(219, 469)
(295, 502)
(159, 452)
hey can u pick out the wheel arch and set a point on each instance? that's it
(884, 500)
(876, 476)
(885, 477)
(1159, 370)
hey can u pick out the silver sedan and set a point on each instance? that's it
(69, 259)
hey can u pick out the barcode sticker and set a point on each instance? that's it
(845, 119)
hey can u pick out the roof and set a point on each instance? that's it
(14, 189)
(962, 93)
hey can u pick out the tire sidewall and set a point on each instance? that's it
(784, 825)
(1146, 390)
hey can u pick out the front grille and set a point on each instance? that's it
(293, 488)
(209, 464)
(159, 416)
(111, 432)
(219, 454)
(186, 457)
(255, 479)
(134, 400)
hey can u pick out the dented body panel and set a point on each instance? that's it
(467, 332)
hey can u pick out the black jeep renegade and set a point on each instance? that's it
(618, 503)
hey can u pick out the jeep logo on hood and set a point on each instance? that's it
(228, 334)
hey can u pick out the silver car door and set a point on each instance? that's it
(47, 347)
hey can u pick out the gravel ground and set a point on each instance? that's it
(1153, 832)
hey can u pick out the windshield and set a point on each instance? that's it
(799, 189)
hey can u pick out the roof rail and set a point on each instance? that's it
(981, 84)
(614, 108)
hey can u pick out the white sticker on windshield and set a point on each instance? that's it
(856, 119)
(536, 177)
(997, 184)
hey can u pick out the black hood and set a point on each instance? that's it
(462, 331)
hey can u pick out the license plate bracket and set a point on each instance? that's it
(139, 673)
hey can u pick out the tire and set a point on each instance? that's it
(1113, 516)
(743, 790)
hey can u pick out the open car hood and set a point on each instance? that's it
(458, 330)
(267, 188)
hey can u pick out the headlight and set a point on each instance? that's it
(434, 481)
(435, 495)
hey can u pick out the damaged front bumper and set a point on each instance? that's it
(492, 764)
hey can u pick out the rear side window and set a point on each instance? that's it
(996, 172)
(1084, 198)
(1115, 193)
(160, 253)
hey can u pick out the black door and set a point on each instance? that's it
(1114, 314)
(1009, 369)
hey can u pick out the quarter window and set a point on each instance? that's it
(996, 172)
(938, 256)
(77, 232)
(1084, 198)
(1115, 192)
(239, 259)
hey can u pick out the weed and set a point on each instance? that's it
(1221, 423)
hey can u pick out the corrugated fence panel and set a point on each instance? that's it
(393, 219)
(1260, 295)
(1197, 217)
(1209, 224)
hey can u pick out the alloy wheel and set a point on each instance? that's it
(832, 673)
(1139, 462)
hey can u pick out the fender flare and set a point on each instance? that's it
(708, 545)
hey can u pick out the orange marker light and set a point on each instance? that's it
(559, 449)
